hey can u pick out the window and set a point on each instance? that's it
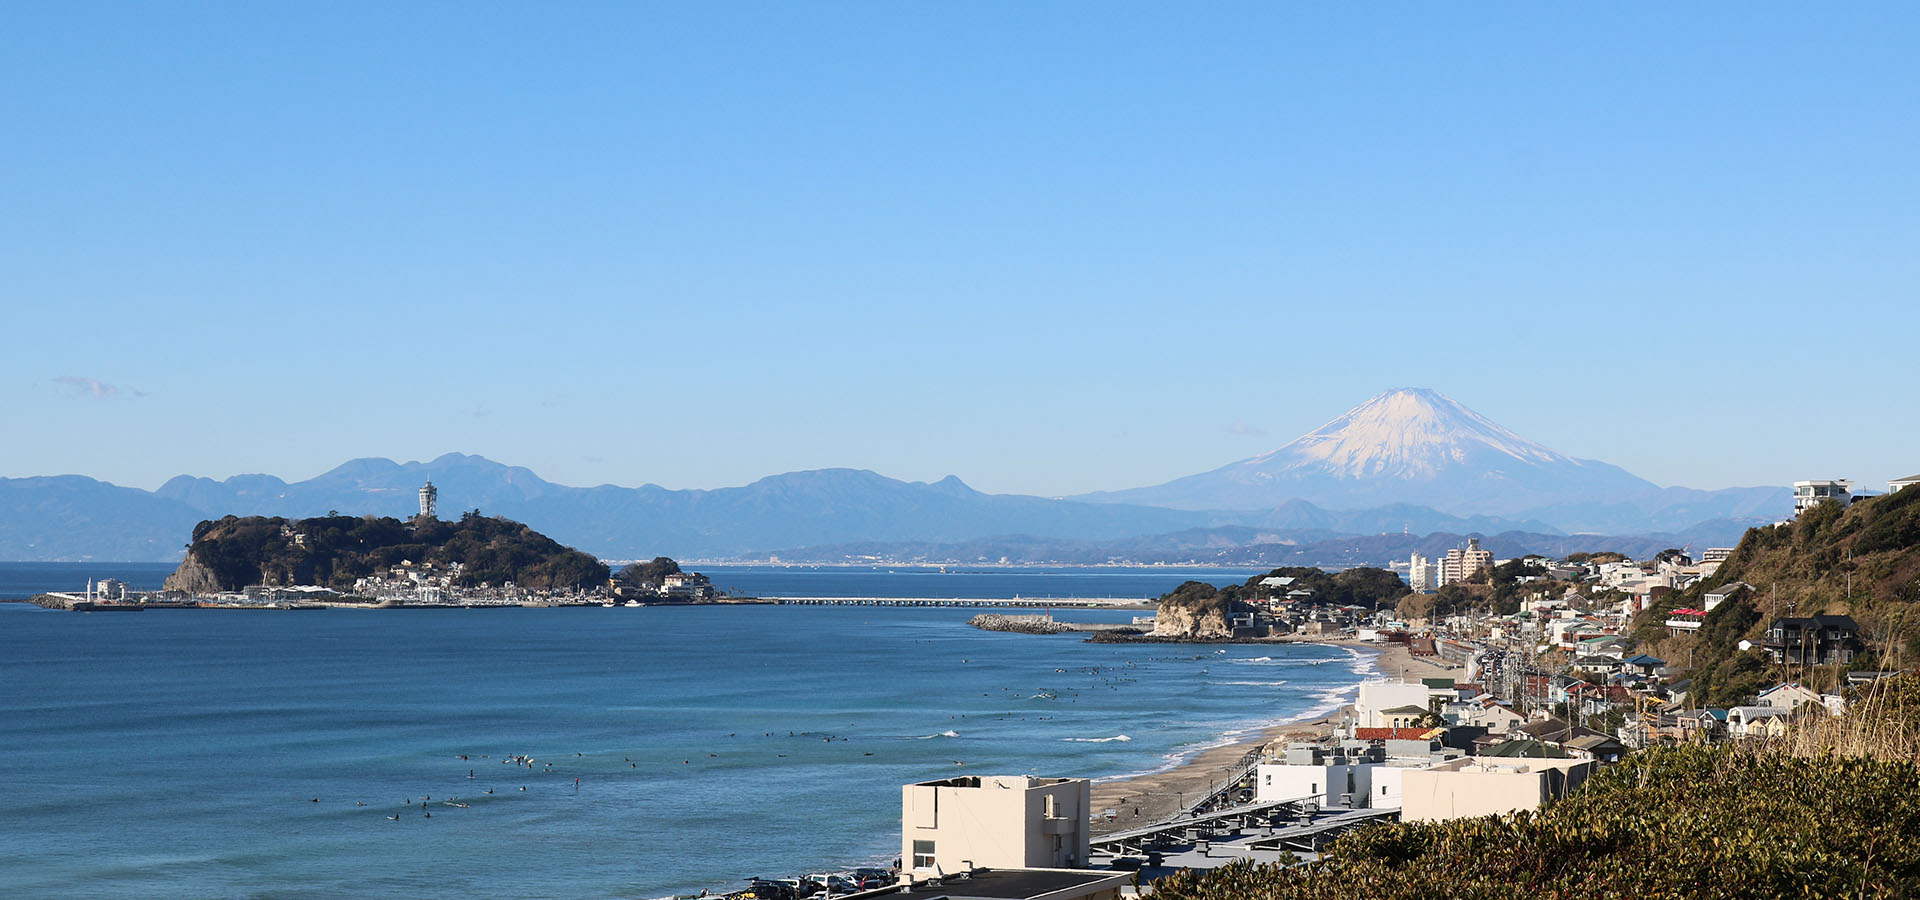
(1052, 807)
(923, 854)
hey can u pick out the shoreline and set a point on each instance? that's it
(1152, 797)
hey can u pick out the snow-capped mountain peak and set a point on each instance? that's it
(1414, 446)
(1404, 433)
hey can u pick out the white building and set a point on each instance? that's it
(1353, 775)
(1895, 486)
(429, 500)
(1378, 697)
(1422, 574)
(994, 821)
(1808, 493)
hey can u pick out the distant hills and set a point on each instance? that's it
(1407, 463)
(1239, 545)
(1421, 447)
(812, 508)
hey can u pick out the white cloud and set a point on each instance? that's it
(94, 387)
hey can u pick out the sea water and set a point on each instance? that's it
(251, 754)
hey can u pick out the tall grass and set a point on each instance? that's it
(1882, 721)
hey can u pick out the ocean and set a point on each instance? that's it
(239, 754)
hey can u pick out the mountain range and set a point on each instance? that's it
(1409, 462)
(1421, 447)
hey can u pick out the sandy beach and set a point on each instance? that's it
(1152, 798)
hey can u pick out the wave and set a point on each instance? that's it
(1251, 683)
(947, 733)
(1105, 740)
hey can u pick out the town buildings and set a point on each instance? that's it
(1462, 563)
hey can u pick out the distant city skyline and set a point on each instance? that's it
(1050, 250)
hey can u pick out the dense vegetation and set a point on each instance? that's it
(1359, 586)
(1863, 561)
(647, 574)
(1692, 822)
(334, 550)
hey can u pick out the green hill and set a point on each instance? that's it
(1862, 561)
(333, 551)
(1692, 822)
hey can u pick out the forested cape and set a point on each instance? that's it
(1360, 586)
(333, 551)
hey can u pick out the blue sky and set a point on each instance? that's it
(1050, 248)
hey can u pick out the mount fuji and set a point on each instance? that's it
(1418, 446)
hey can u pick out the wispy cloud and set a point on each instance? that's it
(94, 387)
(1245, 430)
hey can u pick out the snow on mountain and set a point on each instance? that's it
(1404, 433)
(1418, 446)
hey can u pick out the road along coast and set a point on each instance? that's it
(1158, 796)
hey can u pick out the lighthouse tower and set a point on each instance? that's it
(429, 497)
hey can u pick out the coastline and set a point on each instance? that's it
(1157, 796)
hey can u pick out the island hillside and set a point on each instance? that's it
(1196, 609)
(333, 551)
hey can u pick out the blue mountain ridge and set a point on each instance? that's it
(809, 508)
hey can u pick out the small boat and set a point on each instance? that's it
(633, 603)
(608, 604)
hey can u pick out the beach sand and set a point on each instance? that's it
(1146, 799)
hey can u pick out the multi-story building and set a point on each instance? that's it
(1809, 493)
(1422, 574)
(1461, 564)
(995, 822)
(1813, 640)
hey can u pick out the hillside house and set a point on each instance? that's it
(1813, 640)
(1599, 747)
(1787, 697)
(1729, 591)
(1643, 665)
(1756, 722)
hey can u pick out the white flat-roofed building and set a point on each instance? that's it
(1377, 697)
(1470, 787)
(1808, 493)
(1422, 574)
(994, 821)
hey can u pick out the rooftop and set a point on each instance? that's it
(1006, 884)
(1003, 782)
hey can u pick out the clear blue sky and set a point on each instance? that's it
(1050, 247)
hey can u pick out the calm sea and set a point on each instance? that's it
(216, 754)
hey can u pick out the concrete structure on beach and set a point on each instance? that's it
(993, 821)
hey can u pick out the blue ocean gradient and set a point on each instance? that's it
(220, 754)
